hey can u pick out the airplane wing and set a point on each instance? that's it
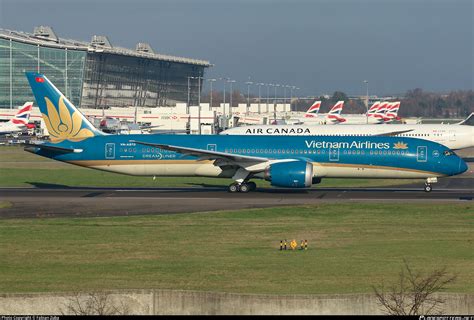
(50, 147)
(205, 154)
(392, 133)
(150, 127)
(469, 121)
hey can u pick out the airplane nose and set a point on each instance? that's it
(462, 166)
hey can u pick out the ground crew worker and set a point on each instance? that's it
(285, 244)
(281, 245)
(306, 244)
(293, 244)
(302, 245)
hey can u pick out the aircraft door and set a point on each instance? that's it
(212, 147)
(110, 151)
(421, 154)
(334, 154)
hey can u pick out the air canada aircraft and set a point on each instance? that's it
(291, 162)
(453, 136)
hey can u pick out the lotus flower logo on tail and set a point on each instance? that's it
(63, 125)
(63, 120)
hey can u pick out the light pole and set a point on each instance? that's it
(248, 94)
(187, 106)
(367, 101)
(284, 96)
(275, 104)
(291, 95)
(295, 93)
(210, 95)
(199, 100)
(259, 94)
(231, 93)
(268, 94)
(223, 106)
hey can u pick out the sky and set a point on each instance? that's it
(319, 46)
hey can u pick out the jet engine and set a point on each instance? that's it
(293, 174)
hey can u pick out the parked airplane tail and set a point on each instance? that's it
(22, 117)
(61, 117)
(313, 110)
(392, 112)
(373, 109)
(379, 114)
(334, 115)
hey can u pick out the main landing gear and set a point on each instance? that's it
(241, 183)
(243, 187)
(428, 183)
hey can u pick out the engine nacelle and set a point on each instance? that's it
(293, 174)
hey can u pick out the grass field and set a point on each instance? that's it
(351, 248)
(22, 169)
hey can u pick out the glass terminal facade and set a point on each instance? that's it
(95, 78)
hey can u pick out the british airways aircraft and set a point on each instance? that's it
(19, 122)
(291, 161)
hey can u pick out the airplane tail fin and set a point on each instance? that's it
(63, 120)
(392, 112)
(313, 110)
(22, 117)
(379, 114)
(334, 115)
(373, 109)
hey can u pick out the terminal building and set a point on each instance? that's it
(96, 74)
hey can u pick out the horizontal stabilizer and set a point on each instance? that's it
(51, 148)
(392, 133)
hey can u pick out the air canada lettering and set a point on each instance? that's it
(347, 145)
(278, 131)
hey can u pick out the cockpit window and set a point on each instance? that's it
(449, 153)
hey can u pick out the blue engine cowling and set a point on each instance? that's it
(292, 174)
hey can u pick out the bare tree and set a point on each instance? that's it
(415, 293)
(94, 303)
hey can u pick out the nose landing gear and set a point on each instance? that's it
(428, 183)
(428, 187)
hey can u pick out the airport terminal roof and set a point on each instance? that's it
(45, 36)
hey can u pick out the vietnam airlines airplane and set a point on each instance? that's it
(19, 122)
(291, 162)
